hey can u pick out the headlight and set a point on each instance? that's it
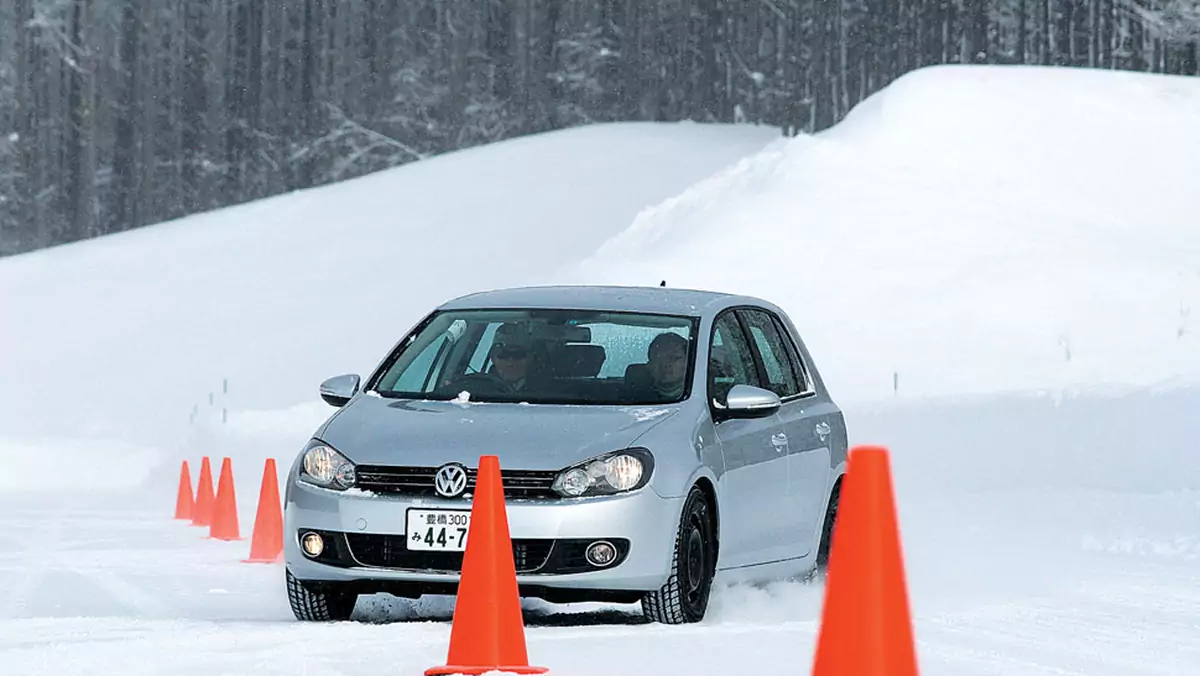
(616, 472)
(327, 468)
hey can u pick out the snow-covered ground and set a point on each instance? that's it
(1011, 247)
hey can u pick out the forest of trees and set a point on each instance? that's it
(115, 114)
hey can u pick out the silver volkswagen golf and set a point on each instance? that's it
(651, 441)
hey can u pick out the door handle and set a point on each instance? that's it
(822, 430)
(779, 441)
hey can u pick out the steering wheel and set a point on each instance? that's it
(482, 382)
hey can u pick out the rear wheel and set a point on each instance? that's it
(324, 602)
(684, 598)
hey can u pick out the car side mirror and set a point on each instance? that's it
(338, 390)
(747, 401)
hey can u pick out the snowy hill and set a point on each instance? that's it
(116, 339)
(980, 232)
(966, 231)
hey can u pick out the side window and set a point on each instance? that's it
(798, 366)
(781, 379)
(730, 359)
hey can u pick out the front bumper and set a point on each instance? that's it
(366, 544)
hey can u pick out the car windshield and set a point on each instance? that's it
(545, 357)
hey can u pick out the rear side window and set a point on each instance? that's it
(803, 378)
(627, 345)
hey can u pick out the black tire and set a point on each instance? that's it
(324, 603)
(684, 598)
(827, 529)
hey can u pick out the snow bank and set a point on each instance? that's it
(66, 466)
(183, 330)
(968, 230)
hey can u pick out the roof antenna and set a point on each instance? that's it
(663, 283)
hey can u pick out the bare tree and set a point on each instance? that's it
(117, 114)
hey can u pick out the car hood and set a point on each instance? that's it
(371, 430)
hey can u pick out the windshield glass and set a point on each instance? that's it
(545, 357)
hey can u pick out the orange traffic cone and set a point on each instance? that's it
(203, 508)
(488, 631)
(267, 543)
(224, 520)
(865, 623)
(183, 501)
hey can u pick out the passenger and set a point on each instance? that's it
(667, 365)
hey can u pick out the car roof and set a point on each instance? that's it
(658, 299)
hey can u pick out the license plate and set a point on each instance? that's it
(439, 530)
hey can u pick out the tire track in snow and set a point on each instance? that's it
(49, 552)
(46, 540)
(129, 596)
(1061, 636)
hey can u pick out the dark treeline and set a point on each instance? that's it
(115, 113)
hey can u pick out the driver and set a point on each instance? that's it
(512, 354)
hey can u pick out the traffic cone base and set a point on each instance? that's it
(488, 630)
(266, 545)
(224, 519)
(445, 671)
(277, 559)
(866, 628)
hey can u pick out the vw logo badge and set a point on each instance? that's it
(450, 480)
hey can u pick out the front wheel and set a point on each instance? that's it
(684, 598)
(825, 544)
(324, 603)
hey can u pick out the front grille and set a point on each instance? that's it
(389, 551)
(418, 481)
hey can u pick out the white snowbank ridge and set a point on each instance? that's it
(61, 465)
(120, 337)
(969, 230)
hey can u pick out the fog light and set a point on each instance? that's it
(601, 553)
(313, 545)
